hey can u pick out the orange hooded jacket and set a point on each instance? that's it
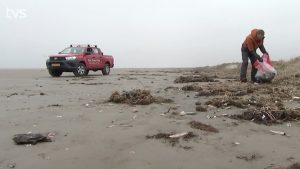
(251, 42)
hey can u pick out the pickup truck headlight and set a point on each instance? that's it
(71, 58)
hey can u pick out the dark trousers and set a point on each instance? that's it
(246, 55)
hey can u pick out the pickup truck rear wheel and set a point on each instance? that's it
(106, 69)
(55, 73)
(81, 70)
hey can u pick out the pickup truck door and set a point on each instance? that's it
(89, 58)
(98, 58)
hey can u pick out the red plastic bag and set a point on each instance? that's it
(265, 70)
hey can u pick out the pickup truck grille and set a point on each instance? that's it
(57, 58)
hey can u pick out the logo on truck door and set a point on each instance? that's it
(94, 61)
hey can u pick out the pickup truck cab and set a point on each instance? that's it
(79, 60)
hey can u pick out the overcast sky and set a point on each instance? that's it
(146, 33)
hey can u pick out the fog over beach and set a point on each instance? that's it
(158, 33)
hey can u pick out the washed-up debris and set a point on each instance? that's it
(171, 138)
(220, 116)
(250, 90)
(283, 93)
(204, 127)
(198, 103)
(186, 147)
(219, 90)
(134, 117)
(55, 105)
(278, 132)
(125, 125)
(171, 112)
(178, 135)
(51, 135)
(272, 102)
(163, 114)
(171, 88)
(212, 92)
(189, 136)
(226, 101)
(267, 116)
(120, 125)
(293, 166)
(183, 113)
(211, 106)
(187, 79)
(201, 108)
(110, 126)
(290, 158)
(31, 138)
(249, 157)
(236, 143)
(205, 93)
(42, 94)
(191, 88)
(13, 94)
(135, 110)
(95, 83)
(210, 117)
(272, 166)
(296, 98)
(165, 137)
(11, 165)
(137, 97)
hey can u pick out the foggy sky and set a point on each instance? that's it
(146, 33)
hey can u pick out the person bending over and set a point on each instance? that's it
(252, 42)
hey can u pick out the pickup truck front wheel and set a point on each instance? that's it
(81, 70)
(55, 73)
(106, 69)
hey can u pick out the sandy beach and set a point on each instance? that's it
(91, 132)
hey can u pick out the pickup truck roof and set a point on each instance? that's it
(84, 46)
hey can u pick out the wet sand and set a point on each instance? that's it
(93, 133)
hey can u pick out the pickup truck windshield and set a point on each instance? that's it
(72, 50)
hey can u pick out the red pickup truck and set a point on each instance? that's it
(79, 60)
